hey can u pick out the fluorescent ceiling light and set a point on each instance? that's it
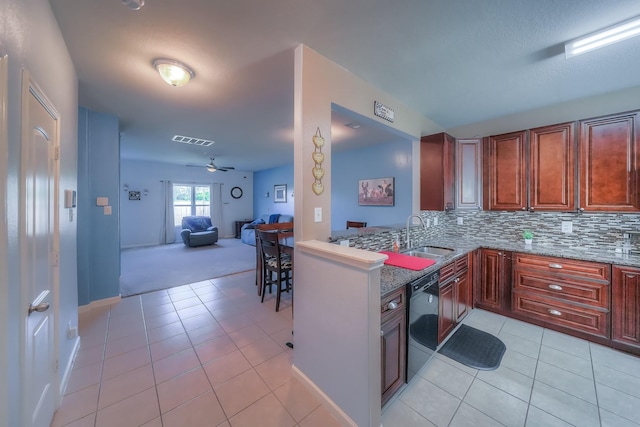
(173, 72)
(598, 39)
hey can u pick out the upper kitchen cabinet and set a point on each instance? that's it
(552, 168)
(468, 174)
(609, 163)
(531, 170)
(505, 172)
(437, 168)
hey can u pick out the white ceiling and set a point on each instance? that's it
(455, 61)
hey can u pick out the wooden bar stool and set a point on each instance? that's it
(277, 267)
(356, 224)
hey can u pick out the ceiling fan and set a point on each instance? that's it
(211, 167)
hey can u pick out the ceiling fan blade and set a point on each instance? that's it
(226, 168)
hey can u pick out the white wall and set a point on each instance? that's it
(30, 36)
(141, 221)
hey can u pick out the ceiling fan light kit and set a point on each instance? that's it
(174, 72)
(211, 167)
(133, 4)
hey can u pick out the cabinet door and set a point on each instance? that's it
(495, 280)
(463, 295)
(505, 172)
(626, 306)
(446, 315)
(393, 354)
(609, 163)
(437, 162)
(552, 168)
(468, 172)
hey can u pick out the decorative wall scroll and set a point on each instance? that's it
(318, 158)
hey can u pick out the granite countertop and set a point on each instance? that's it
(392, 278)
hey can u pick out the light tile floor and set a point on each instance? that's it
(205, 354)
(545, 379)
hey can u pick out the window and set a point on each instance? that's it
(190, 200)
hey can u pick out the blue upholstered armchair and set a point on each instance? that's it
(198, 231)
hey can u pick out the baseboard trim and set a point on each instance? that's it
(98, 303)
(64, 381)
(335, 410)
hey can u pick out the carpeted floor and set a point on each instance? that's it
(161, 267)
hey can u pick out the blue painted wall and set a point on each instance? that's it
(379, 161)
(263, 182)
(98, 234)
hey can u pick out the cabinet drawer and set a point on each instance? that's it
(570, 267)
(447, 272)
(590, 320)
(462, 263)
(393, 303)
(567, 288)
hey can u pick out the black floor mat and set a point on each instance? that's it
(475, 348)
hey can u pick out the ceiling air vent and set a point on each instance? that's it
(192, 141)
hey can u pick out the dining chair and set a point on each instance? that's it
(356, 224)
(277, 267)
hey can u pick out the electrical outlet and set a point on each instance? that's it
(344, 242)
(317, 215)
(72, 331)
(567, 227)
(435, 221)
(459, 220)
(428, 222)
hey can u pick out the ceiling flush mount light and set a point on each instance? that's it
(173, 72)
(133, 4)
(607, 36)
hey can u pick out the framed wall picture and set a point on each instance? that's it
(376, 192)
(280, 193)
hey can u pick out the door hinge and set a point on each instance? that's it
(55, 258)
(56, 153)
(57, 365)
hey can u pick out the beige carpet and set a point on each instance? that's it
(161, 267)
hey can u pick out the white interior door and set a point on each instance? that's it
(39, 253)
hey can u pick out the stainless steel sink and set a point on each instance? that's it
(433, 252)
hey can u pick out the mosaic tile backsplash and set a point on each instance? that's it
(589, 230)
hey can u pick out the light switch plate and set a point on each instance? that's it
(317, 215)
(344, 242)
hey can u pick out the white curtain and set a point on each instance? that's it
(168, 233)
(216, 207)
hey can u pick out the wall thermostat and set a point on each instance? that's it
(69, 198)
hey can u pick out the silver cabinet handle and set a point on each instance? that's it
(392, 305)
(581, 209)
(554, 265)
(524, 209)
(381, 333)
(43, 306)
(555, 312)
(555, 287)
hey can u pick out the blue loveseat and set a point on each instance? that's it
(198, 231)
(248, 231)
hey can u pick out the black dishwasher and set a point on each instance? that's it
(422, 330)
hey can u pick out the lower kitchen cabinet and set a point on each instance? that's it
(393, 343)
(626, 308)
(456, 295)
(494, 290)
(566, 295)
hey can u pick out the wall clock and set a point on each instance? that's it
(236, 192)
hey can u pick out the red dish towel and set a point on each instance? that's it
(407, 261)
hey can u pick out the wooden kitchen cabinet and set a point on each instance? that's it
(625, 333)
(505, 172)
(455, 295)
(552, 168)
(566, 295)
(393, 343)
(437, 167)
(531, 170)
(468, 174)
(494, 290)
(609, 163)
